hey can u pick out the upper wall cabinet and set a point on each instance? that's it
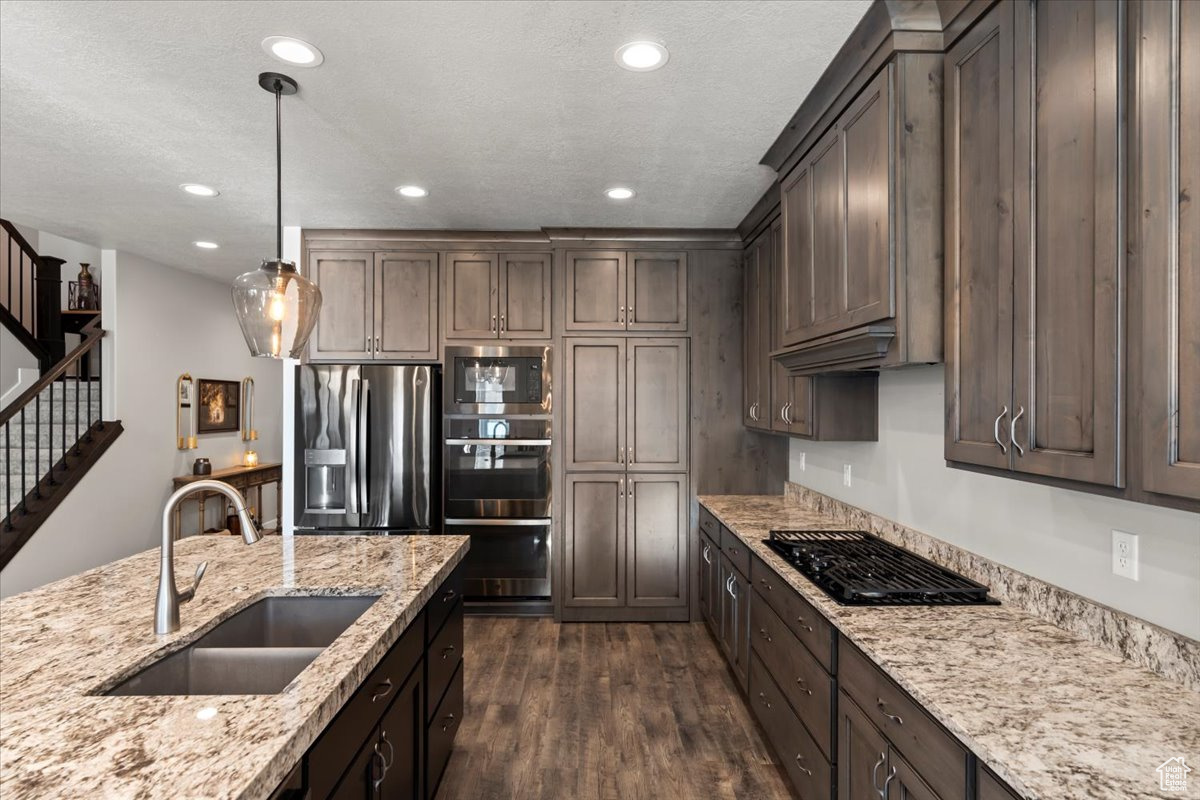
(1034, 260)
(1165, 375)
(616, 290)
(497, 296)
(380, 305)
(860, 278)
(757, 340)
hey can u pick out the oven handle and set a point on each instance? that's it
(514, 442)
(501, 523)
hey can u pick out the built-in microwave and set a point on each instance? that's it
(497, 380)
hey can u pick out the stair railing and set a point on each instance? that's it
(31, 296)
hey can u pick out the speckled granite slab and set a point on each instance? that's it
(1056, 717)
(1170, 654)
(61, 643)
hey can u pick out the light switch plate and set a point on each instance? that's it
(845, 474)
(1125, 554)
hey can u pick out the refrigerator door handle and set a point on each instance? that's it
(363, 455)
(352, 455)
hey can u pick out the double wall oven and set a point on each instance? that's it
(497, 485)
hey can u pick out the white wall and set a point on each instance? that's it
(162, 322)
(13, 357)
(1061, 536)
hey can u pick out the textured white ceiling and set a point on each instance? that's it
(513, 114)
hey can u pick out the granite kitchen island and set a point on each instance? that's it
(64, 644)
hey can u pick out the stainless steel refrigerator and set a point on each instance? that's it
(366, 449)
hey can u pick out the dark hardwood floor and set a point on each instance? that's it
(603, 710)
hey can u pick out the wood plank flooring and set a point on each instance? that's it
(600, 711)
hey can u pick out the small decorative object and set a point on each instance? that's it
(218, 407)
(248, 432)
(202, 466)
(83, 294)
(250, 458)
(184, 400)
(276, 306)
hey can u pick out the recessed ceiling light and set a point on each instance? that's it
(206, 245)
(619, 193)
(642, 56)
(292, 51)
(199, 189)
(412, 191)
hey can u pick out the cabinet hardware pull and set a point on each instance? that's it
(883, 708)
(804, 769)
(377, 782)
(996, 430)
(378, 346)
(884, 788)
(804, 686)
(621, 316)
(763, 633)
(382, 690)
(630, 316)
(875, 773)
(493, 323)
(387, 762)
(449, 595)
(763, 581)
(368, 347)
(449, 721)
(502, 323)
(1012, 432)
(763, 698)
(704, 555)
(804, 624)
(446, 651)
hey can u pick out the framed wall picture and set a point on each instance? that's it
(217, 410)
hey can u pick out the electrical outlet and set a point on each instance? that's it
(800, 463)
(1125, 554)
(845, 474)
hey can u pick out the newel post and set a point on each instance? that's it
(48, 310)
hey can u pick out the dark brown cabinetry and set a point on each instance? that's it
(735, 620)
(617, 290)
(381, 305)
(1034, 255)
(757, 340)
(497, 296)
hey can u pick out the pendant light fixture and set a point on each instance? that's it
(276, 305)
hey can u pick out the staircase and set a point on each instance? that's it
(54, 431)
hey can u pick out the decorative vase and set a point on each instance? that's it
(86, 288)
(202, 466)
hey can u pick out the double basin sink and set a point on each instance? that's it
(259, 650)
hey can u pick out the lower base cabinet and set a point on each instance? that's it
(393, 737)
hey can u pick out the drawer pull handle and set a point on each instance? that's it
(391, 757)
(449, 722)
(447, 651)
(803, 686)
(804, 624)
(883, 708)
(763, 633)
(875, 773)
(449, 595)
(763, 698)
(764, 582)
(382, 690)
(804, 769)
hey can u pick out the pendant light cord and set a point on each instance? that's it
(278, 173)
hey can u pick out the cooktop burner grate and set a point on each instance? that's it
(859, 568)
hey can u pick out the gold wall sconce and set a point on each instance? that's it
(185, 398)
(247, 423)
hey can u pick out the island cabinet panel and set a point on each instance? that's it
(445, 653)
(594, 534)
(344, 326)
(406, 305)
(1165, 363)
(525, 296)
(402, 741)
(990, 787)
(472, 295)
(441, 732)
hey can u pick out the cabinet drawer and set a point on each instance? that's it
(442, 730)
(328, 757)
(797, 613)
(934, 753)
(445, 652)
(709, 524)
(442, 603)
(811, 774)
(735, 550)
(800, 677)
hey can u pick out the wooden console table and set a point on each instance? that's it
(241, 478)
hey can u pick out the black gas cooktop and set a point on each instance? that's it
(856, 568)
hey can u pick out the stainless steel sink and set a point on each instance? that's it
(259, 650)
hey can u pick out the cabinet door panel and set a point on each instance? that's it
(595, 291)
(781, 395)
(595, 540)
(344, 326)
(402, 739)
(1167, 166)
(1066, 303)
(406, 305)
(750, 361)
(796, 269)
(658, 404)
(979, 241)
(472, 291)
(866, 139)
(594, 419)
(862, 754)
(828, 226)
(757, 332)
(657, 533)
(903, 782)
(525, 296)
(657, 291)
(800, 412)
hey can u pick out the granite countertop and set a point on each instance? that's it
(1055, 716)
(61, 643)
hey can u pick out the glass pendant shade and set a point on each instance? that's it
(277, 309)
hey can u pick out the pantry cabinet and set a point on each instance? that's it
(618, 290)
(497, 296)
